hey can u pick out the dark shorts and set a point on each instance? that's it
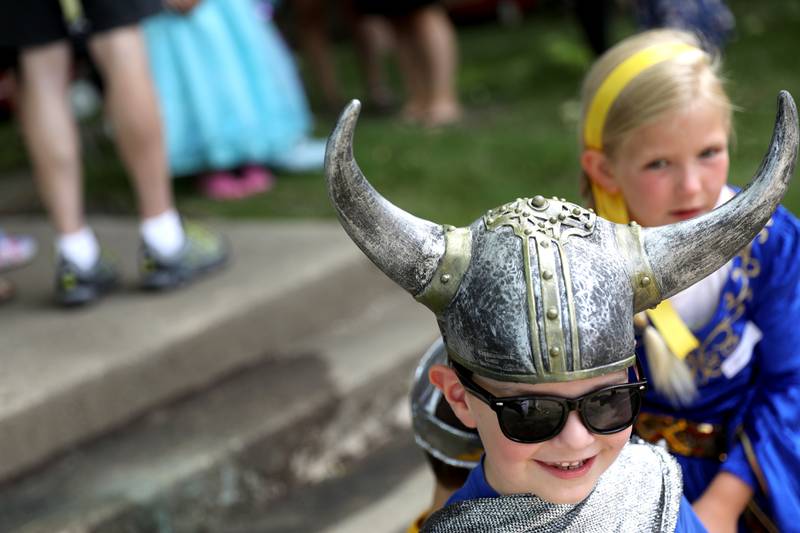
(389, 8)
(26, 23)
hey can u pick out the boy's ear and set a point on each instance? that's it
(444, 378)
(598, 168)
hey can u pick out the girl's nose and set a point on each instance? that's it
(575, 434)
(690, 180)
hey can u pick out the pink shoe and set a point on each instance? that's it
(256, 179)
(222, 186)
(16, 250)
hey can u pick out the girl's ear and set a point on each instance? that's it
(444, 378)
(598, 168)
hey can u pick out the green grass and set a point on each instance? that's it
(519, 86)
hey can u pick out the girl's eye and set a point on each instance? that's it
(656, 165)
(709, 152)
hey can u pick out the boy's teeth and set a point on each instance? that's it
(568, 465)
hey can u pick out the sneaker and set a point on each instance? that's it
(75, 286)
(202, 253)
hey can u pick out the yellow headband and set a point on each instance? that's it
(618, 79)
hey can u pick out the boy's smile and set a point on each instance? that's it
(563, 469)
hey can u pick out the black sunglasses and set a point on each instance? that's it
(534, 418)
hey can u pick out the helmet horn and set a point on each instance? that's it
(404, 247)
(682, 254)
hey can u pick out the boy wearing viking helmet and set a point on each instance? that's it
(535, 302)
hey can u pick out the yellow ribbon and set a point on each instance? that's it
(609, 206)
(676, 334)
(618, 79)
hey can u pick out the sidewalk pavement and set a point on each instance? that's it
(70, 375)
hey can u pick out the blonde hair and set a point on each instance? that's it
(666, 86)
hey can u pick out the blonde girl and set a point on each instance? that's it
(723, 354)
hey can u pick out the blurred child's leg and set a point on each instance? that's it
(50, 132)
(313, 36)
(133, 108)
(374, 39)
(436, 40)
(410, 62)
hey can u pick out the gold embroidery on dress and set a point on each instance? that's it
(706, 361)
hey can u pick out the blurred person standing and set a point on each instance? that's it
(231, 98)
(373, 38)
(427, 53)
(172, 252)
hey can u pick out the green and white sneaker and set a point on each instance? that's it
(203, 252)
(75, 286)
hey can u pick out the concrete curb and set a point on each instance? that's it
(329, 398)
(68, 377)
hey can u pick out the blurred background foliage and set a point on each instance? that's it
(519, 85)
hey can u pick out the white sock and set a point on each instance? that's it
(80, 247)
(163, 233)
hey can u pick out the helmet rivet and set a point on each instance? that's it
(546, 274)
(538, 201)
(545, 244)
(632, 223)
(445, 278)
(561, 216)
(449, 228)
(528, 231)
(576, 210)
(564, 200)
(645, 281)
(552, 313)
(552, 220)
(555, 351)
(588, 225)
(555, 197)
(591, 210)
(517, 210)
(526, 214)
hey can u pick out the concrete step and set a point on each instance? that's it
(297, 418)
(385, 491)
(70, 376)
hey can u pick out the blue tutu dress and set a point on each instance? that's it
(228, 87)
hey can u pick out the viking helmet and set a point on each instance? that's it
(540, 289)
(436, 428)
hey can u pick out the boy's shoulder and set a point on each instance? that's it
(641, 491)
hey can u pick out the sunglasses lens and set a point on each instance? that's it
(611, 410)
(532, 420)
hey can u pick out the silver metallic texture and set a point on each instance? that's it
(448, 443)
(640, 491)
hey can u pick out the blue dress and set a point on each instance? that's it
(752, 388)
(228, 88)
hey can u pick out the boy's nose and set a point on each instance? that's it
(575, 434)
